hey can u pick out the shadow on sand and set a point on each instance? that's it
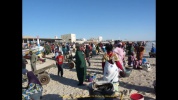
(92, 70)
(67, 81)
(52, 97)
(138, 88)
(148, 98)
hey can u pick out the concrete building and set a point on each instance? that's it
(68, 37)
(93, 39)
(29, 39)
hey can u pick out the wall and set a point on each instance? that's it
(67, 37)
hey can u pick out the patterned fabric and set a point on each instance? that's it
(111, 72)
(32, 88)
(113, 57)
(120, 53)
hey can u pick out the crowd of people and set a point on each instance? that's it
(114, 55)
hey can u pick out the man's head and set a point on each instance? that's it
(60, 53)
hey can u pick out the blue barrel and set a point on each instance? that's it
(143, 61)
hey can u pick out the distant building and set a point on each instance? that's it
(100, 38)
(68, 37)
(93, 39)
(83, 39)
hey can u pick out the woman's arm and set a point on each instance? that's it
(119, 65)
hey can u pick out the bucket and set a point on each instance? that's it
(136, 96)
(126, 73)
(143, 61)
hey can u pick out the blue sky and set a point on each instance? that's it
(111, 19)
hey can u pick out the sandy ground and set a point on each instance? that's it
(62, 88)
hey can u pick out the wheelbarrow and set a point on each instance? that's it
(42, 74)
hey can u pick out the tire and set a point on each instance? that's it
(71, 64)
(44, 78)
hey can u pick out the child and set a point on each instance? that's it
(59, 61)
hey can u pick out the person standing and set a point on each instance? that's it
(56, 53)
(87, 54)
(130, 49)
(139, 50)
(24, 62)
(97, 48)
(64, 50)
(59, 61)
(33, 60)
(80, 65)
(119, 51)
(60, 48)
(153, 49)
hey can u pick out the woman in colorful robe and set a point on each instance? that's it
(34, 89)
(120, 52)
(139, 50)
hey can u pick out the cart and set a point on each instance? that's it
(71, 61)
(42, 74)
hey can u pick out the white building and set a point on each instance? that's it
(68, 37)
(100, 38)
(83, 39)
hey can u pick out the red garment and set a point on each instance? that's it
(117, 62)
(90, 47)
(60, 59)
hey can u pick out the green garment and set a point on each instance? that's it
(80, 66)
(130, 50)
(33, 60)
(97, 48)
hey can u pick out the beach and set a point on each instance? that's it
(63, 88)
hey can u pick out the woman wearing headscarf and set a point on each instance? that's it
(111, 57)
(34, 89)
(80, 64)
(152, 51)
(93, 49)
(139, 50)
(120, 52)
(130, 49)
(97, 48)
(60, 48)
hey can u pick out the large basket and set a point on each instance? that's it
(126, 73)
